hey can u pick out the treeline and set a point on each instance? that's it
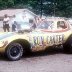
(62, 8)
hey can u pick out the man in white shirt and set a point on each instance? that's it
(6, 23)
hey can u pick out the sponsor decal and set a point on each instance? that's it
(41, 40)
(55, 39)
(38, 40)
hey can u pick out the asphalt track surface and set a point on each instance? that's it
(51, 60)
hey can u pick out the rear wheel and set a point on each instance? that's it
(68, 47)
(14, 51)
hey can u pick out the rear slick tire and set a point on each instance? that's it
(68, 47)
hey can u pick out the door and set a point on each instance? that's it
(48, 35)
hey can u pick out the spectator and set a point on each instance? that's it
(33, 23)
(14, 26)
(6, 23)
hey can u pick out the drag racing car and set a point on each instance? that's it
(52, 32)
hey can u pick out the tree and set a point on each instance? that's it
(45, 7)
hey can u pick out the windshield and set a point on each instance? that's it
(46, 25)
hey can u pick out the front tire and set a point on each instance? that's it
(14, 51)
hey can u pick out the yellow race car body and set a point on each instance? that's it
(52, 32)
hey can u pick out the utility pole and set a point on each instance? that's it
(54, 7)
(41, 4)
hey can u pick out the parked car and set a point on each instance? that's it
(53, 32)
(23, 26)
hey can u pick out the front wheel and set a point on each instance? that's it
(14, 51)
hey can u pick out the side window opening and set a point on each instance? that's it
(61, 25)
(46, 25)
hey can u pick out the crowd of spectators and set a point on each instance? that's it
(6, 26)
